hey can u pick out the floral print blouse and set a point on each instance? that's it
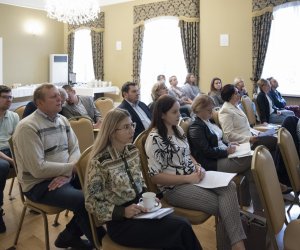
(108, 185)
(172, 157)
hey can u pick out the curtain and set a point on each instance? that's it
(138, 34)
(190, 43)
(97, 51)
(71, 51)
(261, 26)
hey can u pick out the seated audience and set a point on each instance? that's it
(278, 100)
(179, 94)
(235, 124)
(173, 169)
(268, 112)
(8, 123)
(31, 107)
(240, 85)
(215, 91)
(78, 105)
(190, 87)
(139, 111)
(208, 148)
(112, 194)
(47, 167)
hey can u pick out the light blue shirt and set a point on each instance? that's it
(8, 124)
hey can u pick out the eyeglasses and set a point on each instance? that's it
(7, 97)
(127, 126)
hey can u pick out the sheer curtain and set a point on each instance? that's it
(83, 59)
(282, 58)
(162, 54)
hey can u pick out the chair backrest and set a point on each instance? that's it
(140, 144)
(247, 105)
(215, 115)
(290, 157)
(81, 168)
(83, 129)
(268, 187)
(185, 123)
(20, 111)
(104, 105)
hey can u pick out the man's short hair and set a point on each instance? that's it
(67, 87)
(126, 86)
(39, 93)
(4, 89)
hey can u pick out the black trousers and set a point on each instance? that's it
(171, 232)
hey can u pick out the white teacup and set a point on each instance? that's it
(148, 200)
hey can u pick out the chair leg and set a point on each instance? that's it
(56, 223)
(20, 225)
(10, 188)
(46, 231)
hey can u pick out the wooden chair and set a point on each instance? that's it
(195, 217)
(248, 109)
(20, 111)
(215, 115)
(291, 161)
(83, 129)
(268, 187)
(42, 209)
(104, 104)
(107, 243)
(184, 123)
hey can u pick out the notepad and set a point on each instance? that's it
(155, 215)
(215, 179)
(241, 150)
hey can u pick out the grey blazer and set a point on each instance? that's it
(87, 101)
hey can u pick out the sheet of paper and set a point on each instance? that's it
(155, 215)
(214, 179)
(270, 131)
(242, 150)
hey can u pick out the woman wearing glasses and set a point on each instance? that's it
(173, 169)
(115, 184)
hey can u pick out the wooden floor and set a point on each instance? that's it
(32, 234)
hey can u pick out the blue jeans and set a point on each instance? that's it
(4, 170)
(69, 196)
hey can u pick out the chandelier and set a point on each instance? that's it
(73, 11)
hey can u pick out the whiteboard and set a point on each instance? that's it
(1, 61)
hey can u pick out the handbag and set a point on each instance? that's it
(255, 228)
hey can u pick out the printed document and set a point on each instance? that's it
(215, 179)
(242, 150)
(162, 212)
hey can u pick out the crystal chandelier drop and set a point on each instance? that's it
(73, 11)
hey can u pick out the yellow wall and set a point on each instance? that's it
(26, 56)
(232, 17)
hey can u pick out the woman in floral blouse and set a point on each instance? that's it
(114, 185)
(173, 169)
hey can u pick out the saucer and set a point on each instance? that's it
(153, 209)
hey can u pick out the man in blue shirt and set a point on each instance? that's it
(8, 123)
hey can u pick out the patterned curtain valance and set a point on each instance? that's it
(97, 25)
(179, 8)
(259, 7)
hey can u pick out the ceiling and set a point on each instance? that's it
(39, 4)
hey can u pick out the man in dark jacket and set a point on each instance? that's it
(139, 111)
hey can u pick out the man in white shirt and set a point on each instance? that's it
(139, 111)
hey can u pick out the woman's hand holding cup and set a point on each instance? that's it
(148, 201)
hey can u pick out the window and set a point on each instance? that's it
(283, 54)
(162, 54)
(83, 60)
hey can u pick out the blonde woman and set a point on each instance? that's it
(114, 186)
